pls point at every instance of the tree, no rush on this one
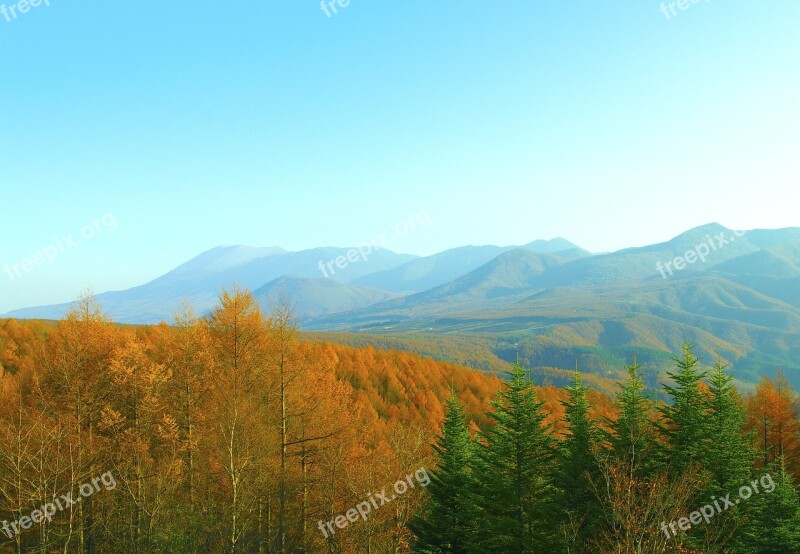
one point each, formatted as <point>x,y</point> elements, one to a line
<point>76,382</point>
<point>187,355</point>
<point>448,521</point>
<point>728,455</point>
<point>577,469</point>
<point>637,510</point>
<point>773,415</point>
<point>684,416</point>
<point>238,338</point>
<point>632,436</point>
<point>515,464</point>
<point>775,525</point>
<point>147,443</point>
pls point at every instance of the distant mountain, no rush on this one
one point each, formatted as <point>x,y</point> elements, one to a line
<point>508,274</point>
<point>774,272</point>
<point>734,294</point>
<point>314,298</point>
<point>200,280</point>
<point>553,246</point>
<point>431,271</point>
<point>219,261</point>
<point>643,262</point>
<point>742,302</point>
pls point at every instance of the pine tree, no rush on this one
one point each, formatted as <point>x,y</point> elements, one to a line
<point>515,465</point>
<point>448,521</point>
<point>633,436</point>
<point>578,469</point>
<point>728,455</point>
<point>684,415</point>
<point>775,524</point>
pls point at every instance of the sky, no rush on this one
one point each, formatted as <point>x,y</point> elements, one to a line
<point>136,135</point>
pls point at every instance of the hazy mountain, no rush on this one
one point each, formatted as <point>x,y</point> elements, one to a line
<point>508,274</point>
<point>742,303</point>
<point>734,294</point>
<point>431,271</point>
<point>643,262</point>
<point>554,246</point>
<point>313,298</point>
<point>200,280</point>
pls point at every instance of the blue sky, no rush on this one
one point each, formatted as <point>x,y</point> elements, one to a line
<point>268,123</point>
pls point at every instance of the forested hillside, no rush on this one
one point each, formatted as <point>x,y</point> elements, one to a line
<point>705,472</point>
<point>229,433</point>
<point>226,434</point>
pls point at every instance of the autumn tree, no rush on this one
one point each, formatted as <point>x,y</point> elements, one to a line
<point>76,385</point>
<point>185,351</point>
<point>773,416</point>
<point>238,339</point>
<point>146,451</point>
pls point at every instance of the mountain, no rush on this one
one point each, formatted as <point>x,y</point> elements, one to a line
<point>555,246</point>
<point>313,298</point>
<point>431,271</point>
<point>734,294</point>
<point>740,301</point>
<point>508,274</point>
<point>200,280</point>
<point>381,272</point>
<point>518,273</point>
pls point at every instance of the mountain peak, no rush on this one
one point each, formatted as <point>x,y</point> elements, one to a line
<point>223,258</point>
<point>551,246</point>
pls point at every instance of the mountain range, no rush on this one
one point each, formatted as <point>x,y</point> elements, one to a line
<point>735,294</point>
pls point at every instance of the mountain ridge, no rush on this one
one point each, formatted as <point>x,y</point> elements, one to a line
<point>738,296</point>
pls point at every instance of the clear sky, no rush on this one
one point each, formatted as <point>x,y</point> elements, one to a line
<point>198,124</point>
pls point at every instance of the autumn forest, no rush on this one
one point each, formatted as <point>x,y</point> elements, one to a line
<point>232,433</point>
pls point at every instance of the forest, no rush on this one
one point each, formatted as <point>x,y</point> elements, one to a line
<point>231,433</point>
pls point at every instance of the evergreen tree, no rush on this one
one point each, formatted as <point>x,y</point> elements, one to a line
<point>684,426</point>
<point>633,437</point>
<point>686,434</point>
<point>775,524</point>
<point>515,465</point>
<point>449,519</point>
<point>728,456</point>
<point>578,469</point>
